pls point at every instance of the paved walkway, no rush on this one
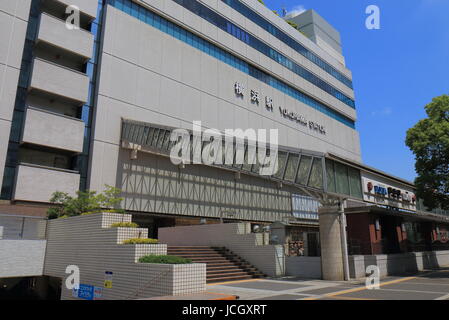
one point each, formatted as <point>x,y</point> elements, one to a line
<point>430,285</point>
<point>197,296</point>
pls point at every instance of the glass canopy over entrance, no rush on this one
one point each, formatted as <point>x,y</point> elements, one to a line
<point>307,170</point>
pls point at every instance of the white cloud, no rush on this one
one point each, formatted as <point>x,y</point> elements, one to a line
<point>295,11</point>
<point>382,112</point>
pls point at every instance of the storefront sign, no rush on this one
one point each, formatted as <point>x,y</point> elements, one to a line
<point>85,292</point>
<point>98,293</point>
<point>293,116</point>
<point>393,193</point>
<point>382,191</point>
<point>88,292</point>
<point>255,98</point>
<point>239,89</point>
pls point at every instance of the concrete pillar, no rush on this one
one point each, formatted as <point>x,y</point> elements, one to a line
<point>330,239</point>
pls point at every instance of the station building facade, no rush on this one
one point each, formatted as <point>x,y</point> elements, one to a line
<point>93,106</point>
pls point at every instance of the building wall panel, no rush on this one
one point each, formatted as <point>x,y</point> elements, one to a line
<point>37,184</point>
<point>22,258</point>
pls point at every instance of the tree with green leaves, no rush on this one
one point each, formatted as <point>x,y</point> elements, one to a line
<point>429,141</point>
<point>84,202</point>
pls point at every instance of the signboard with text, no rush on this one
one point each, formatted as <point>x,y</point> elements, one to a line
<point>387,192</point>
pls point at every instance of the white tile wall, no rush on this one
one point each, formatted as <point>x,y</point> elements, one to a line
<point>88,242</point>
<point>235,237</point>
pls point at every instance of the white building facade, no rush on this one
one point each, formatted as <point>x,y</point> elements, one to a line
<point>95,103</point>
<point>231,64</point>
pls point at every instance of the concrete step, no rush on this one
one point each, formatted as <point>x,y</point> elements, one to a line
<point>192,250</point>
<point>194,254</point>
<point>228,278</point>
<point>231,274</point>
<point>226,267</point>
<point>221,264</point>
<point>210,261</point>
<point>207,258</point>
<point>225,271</point>
<point>199,255</point>
<point>191,247</point>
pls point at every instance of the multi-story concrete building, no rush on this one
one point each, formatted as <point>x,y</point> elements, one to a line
<point>86,107</point>
<point>166,63</point>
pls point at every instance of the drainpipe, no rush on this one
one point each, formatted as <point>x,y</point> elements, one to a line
<point>344,243</point>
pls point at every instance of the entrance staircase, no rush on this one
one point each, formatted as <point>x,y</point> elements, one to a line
<point>221,264</point>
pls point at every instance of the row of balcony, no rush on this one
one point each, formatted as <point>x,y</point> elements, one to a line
<point>86,7</point>
<point>45,126</point>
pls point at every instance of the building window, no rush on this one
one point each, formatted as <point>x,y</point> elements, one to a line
<point>303,171</point>
<point>224,56</point>
<point>316,174</point>
<point>355,183</point>
<point>222,23</point>
<point>343,179</point>
<point>269,27</point>
<point>330,175</point>
<point>292,165</point>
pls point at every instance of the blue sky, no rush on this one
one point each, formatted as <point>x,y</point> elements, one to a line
<point>397,70</point>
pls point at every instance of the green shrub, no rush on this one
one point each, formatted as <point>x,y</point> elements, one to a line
<point>141,241</point>
<point>164,259</point>
<point>124,225</point>
<point>104,211</point>
<point>85,202</point>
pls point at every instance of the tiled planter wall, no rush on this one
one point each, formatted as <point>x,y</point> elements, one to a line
<point>89,243</point>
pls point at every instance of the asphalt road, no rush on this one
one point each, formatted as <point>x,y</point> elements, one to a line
<point>429,285</point>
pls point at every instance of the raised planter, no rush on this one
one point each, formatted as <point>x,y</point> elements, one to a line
<point>89,243</point>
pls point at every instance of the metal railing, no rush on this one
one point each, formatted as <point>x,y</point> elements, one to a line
<point>14,227</point>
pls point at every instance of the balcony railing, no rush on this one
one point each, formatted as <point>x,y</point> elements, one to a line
<point>57,80</point>
<point>14,227</point>
<point>54,32</point>
<point>87,7</point>
<point>53,130</point>
<point>38,183</point>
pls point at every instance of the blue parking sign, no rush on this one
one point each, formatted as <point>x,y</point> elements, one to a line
<point>86,292</point>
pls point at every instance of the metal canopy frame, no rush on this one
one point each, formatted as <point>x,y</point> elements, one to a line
<point>152,138</point>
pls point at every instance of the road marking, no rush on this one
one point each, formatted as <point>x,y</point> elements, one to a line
<point>381,284</point>
<point>445,297</point>
<point>349,298</point>
<point>431,284</point>
<point>411,290</point>
<point>220,294</point>
<point>223,296</point>
<point>333,294</point>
